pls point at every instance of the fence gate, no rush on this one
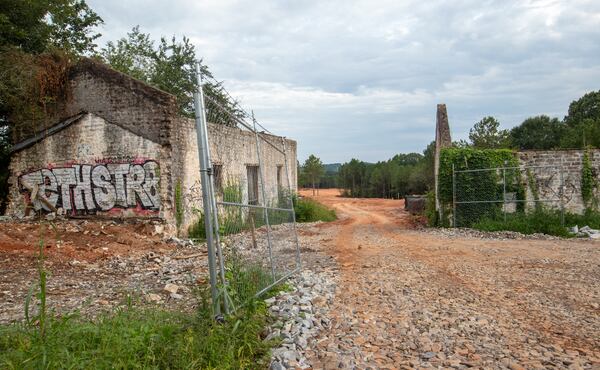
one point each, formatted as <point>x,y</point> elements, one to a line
<point>251,232</point>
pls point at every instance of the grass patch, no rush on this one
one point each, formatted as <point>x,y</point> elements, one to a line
<point>138,337</point>
<point>308,210</point>
<point>539,221</point>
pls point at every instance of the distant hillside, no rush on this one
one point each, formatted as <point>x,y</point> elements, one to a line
<point>332,167</point>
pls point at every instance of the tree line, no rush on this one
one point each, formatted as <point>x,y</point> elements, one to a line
<point>412,173</point>
<point>580,128</point>
<point>403,174</point>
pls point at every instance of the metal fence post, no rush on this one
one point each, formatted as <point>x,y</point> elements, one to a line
<point>504,191</point>
<point>453,196</point>
<point>204,176</point>
<point>264,196</point>
<point>561,193</point>
<point>215,213</point>
<point>287,175</point>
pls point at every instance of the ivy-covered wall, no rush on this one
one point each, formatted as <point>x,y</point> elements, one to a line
<point>476,186</point>
<point>578,170</point>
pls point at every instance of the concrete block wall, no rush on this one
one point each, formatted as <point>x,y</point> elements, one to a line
<point>233,149</point>
<point>91,167</point>
<point>548,178</point>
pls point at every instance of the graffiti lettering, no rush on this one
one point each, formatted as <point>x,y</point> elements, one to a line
<point>83,188</point>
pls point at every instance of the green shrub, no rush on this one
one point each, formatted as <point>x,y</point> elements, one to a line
<point>588,182</point>
<point>308,210</point>
<point>197,229</point>
<point>478,185</point>
<point>590,218</point>
<point>538,221</point>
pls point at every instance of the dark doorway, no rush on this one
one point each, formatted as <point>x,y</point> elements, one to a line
<point>252,173</point>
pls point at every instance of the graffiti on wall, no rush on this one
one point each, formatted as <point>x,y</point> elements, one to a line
<point>84,188</point>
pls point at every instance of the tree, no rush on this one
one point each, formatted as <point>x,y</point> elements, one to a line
<point>38,40</point>
<point>171,67</point>
<point>351,177</point>
<point>314,169</point>
<point>35,26</point>
<point>581,135</point>
<point>540,132</point>
<point>585,108</point>
<point>583,122</point>
<point>486,135</point>
<point>133,55</point>
<point>175,72</point>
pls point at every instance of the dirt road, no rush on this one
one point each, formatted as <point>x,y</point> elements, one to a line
<point>419,298</point>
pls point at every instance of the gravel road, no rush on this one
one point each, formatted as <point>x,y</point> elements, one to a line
<point>411,298</point>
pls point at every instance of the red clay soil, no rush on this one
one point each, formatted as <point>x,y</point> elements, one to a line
<point>83,240</point>
<point>537,301</point>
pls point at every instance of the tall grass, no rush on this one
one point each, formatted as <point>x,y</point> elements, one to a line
<point>142,337</point>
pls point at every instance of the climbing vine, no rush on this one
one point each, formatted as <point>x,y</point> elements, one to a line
<point>589,183</point>
<point>32,89</point>
<point>483,186</point>
<point>178,206</point>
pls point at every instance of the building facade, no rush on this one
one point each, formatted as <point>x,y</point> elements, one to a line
<point>117,148</point>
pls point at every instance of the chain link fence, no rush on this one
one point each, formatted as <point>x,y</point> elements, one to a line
<point>251,232</point>
<point>499,193</point>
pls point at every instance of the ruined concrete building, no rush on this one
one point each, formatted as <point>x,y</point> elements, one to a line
<point>117,148</point>
<point>555,174</point>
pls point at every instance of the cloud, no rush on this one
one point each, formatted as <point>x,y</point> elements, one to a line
<point>362,78</point>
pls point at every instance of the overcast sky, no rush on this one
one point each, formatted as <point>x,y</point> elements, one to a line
<point>362,78</point>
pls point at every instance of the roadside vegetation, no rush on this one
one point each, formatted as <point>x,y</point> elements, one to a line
<point>234,220</point>
<point>308,210</point>
<point>137,335</point>
<point>540,221</point>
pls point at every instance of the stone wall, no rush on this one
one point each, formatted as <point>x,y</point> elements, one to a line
<point>547,176</point>
<point>233,150</point>
<point>91,167</point>
<point>119,99</point>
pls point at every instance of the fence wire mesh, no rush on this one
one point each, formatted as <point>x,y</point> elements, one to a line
<point>502,193</point>
<point>252,226</point>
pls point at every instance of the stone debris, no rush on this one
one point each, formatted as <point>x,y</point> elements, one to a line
<point>184,243</point>
<point>585,232</point>
<point>299,316</point>
<point>461,232</point>
<point>171,288</point>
